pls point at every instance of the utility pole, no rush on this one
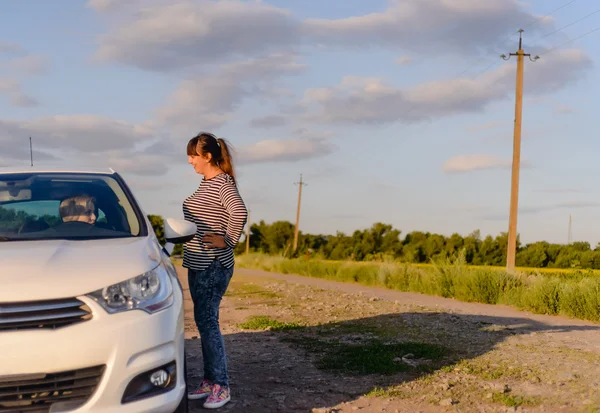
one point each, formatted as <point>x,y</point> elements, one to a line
<point>516,162</point>
<point>248,234</point>
<point>31,150</point>
<point>300,184</point>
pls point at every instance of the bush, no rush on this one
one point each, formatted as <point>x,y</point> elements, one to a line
<point>575,294</point>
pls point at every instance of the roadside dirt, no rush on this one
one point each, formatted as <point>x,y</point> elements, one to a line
<point>336,354</point>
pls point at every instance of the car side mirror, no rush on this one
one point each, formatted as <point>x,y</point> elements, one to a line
<point>179,231</point>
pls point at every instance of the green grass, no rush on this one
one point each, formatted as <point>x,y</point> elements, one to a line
<point>249,291</point>
<point>570,293</point>
<point>371,356</point>
<point>391,392</point>
<point>266,323</point>
<point>512,400</point>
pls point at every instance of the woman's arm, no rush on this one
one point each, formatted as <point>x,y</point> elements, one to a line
<point>238,214</point>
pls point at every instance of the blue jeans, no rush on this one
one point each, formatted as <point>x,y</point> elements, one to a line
<point>207,288</point>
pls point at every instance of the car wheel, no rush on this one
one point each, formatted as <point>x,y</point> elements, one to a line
<point>183,406</point>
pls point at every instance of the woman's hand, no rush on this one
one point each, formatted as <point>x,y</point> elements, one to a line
<point>213,241</point>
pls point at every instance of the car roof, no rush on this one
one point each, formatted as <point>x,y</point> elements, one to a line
<point>13,170</point>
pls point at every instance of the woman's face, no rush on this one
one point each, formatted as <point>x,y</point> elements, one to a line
<point>199,162</point>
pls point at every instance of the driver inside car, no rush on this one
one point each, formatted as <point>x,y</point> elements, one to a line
<point>78,209</point>
<point>78,218</point>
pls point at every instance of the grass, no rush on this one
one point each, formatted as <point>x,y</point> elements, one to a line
<point>372,355</point>
<point>483,368</point>
<point>250,290</point>
<point>572,293</point>
<point>267,323</point>
<point>512,400</point>
<point>391,392</point>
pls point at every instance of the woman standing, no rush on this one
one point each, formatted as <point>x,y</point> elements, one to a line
<point>220,215</point>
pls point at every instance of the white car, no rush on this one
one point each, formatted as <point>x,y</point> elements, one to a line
<point>91,310</point>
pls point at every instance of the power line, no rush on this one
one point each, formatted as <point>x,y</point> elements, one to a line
<point>568,25</point>
<point>493,63</point>
<point>518,31</point>
<point>547,52</point>
<point>546,15</point>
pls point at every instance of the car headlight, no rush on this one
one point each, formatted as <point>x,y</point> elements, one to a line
<point>150,292</point>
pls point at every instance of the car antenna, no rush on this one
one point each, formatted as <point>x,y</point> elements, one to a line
<point>31,151</point>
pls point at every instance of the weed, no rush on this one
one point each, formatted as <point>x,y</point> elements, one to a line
<point>512,400</point>
<point>370,356</point>
<point>572,293</point>
<point>391,392</point>
<point>266,323</point>
<point>250,290</point>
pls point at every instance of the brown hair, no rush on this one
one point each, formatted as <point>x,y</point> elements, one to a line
<point>205,143</point>
<point>71,209</point>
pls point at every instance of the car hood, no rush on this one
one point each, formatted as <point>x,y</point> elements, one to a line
<point>40,270</point>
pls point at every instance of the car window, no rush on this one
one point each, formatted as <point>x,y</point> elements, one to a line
<point>65,206</point>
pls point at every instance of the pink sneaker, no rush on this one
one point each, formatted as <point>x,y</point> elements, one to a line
<point>203,391</point>
<point>218,397</point>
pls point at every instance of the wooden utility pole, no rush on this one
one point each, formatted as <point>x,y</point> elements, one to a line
<point>516,162</point>
<point>300,184</point>
<point>248,234</point>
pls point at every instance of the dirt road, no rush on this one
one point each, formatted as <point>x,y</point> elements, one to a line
<point>332,347</point>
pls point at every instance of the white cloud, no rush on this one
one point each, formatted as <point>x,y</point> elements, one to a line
<point>371,100</point>
<point>170,35</point>
<point>80,133</point>
<point>8,84</point>
<point>10,48</point>
<point>286,150</point>
<point>269,121</point>
<point>21,100</point>
<point>474,162</point>
<point>137,163</point>
<point>465,26</point>
<point>86,140</point>
<point>209,100</point>
<point>12,88</point>
<point>28,65</point>
<point>15,68</point>
<point>106,6</point>
<point>403,60</point>
<point>178,34</point>
<point>432,26</point>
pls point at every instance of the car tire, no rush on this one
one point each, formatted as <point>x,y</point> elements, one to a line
<point>183,406</point>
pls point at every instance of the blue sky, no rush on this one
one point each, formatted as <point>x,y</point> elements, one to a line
<point>397,112</point>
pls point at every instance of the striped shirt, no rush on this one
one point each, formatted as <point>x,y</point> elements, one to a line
<point>216,206</point>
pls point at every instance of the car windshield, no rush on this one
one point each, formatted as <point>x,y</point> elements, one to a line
<point>73,206</point>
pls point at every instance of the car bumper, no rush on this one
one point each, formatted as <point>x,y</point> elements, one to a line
<point>127,344</point>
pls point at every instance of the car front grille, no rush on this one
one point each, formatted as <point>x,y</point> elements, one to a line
<point>36,393</point>
<point>49,314</point>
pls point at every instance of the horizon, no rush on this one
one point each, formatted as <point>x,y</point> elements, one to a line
<point>393,112</point>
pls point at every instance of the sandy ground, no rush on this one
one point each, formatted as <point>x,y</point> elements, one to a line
<point>496,359</point>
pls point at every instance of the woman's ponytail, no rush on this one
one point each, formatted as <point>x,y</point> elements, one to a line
<point>226,161</point>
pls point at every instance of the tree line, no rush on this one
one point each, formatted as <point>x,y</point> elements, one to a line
<point>384,242</point>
